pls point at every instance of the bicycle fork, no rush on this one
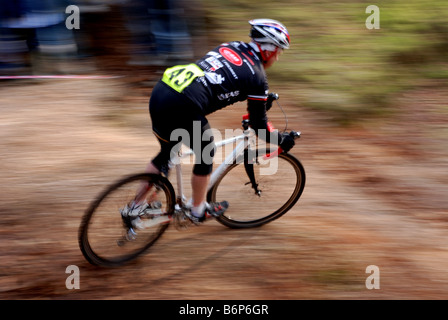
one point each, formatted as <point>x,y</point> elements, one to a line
<point>249,167</point>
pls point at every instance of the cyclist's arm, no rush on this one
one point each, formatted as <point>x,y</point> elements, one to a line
<point>256,106</point>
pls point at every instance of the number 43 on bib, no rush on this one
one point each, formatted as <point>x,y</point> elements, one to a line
<point>180,77</point>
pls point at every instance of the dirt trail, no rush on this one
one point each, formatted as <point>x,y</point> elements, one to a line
<point>373,197</point>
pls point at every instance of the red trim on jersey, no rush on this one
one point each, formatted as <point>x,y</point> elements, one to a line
<point>249,59</point>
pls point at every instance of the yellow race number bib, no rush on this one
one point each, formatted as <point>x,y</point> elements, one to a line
<point>180,77</point>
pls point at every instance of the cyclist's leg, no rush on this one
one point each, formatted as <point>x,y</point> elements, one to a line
<point>203,167</point>
<point>199,185</point>
<point>201,174</point>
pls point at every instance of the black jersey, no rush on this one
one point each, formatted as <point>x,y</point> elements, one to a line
<point>232,72</point>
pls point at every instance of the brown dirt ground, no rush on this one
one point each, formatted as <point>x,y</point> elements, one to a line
<point>375,195</point>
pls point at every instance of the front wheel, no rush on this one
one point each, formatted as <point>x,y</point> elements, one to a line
<point>259,189</point>
<point>107,238</point>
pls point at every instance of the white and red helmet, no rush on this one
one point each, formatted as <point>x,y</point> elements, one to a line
<point>268,31</point>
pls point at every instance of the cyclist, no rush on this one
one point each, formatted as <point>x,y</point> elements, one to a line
<point>182,99</point>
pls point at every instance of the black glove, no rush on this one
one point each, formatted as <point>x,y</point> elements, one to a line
<point>287,142</point>
<point>271,97</point>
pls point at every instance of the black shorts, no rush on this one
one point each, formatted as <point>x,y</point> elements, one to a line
<point>177,120</point>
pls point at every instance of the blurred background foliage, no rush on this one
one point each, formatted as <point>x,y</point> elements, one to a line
<point>335,62</point>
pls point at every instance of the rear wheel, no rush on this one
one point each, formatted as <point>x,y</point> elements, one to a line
<point>106,238</point>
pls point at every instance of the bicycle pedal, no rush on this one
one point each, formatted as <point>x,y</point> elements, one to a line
<point>181,221</point>
<point>194,220</point>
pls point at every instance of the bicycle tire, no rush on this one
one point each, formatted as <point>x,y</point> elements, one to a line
<point>246,208</point>
<point>102,232</point>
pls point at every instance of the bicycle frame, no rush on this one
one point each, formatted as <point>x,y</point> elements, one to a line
<point>246,140</point>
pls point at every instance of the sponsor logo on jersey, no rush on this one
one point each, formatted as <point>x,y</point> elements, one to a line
<point>214,78</point>
<point>231,56</point>
<point>214,63</point>
<point>228,95</point>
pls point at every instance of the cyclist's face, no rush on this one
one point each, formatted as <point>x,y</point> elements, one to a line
<point>273,58</point>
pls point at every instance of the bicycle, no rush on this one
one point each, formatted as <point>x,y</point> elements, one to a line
<point>260,184</point>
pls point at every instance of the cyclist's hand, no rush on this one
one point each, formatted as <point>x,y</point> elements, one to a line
<point>287,142</point>
<point>271,97</point>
